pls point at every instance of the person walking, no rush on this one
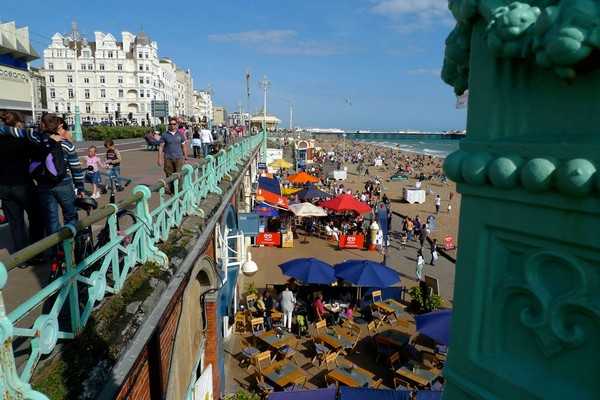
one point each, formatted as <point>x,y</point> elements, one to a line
<point>423,234</point>
<point>438,204</point>
<point>112,163</point>
<point>17,190</point>
<point>434,253</point>
<point>287,307</point>
<point>207,139</point>
<point>172,152</point>
<point>420,264</point>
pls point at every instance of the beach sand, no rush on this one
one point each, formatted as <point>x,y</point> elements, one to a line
<point>447,222</point>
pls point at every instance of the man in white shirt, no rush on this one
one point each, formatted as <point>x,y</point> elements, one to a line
<point>206,137</point>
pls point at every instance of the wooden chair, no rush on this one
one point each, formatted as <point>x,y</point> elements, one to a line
<point>240,323</point>
<point>276,316</point>
<point>321,350</point>
<point>402,384</point>
<point>322,324</point>
<point>376,296</point>
<point>377,315</point>
<point>330,358</point>
<point>287,351</point>
<point>356,331</point>
<point>372,329</point>
<point>297,384</point>
<point>330,382</point>
<point>260,358</point>
<point>394,361</point>
<point>248,354</point>
<point>263,387</point>
<point>432,359</point>
<point>258,327</point>
<point>383,348</point>
<point>377,383</point>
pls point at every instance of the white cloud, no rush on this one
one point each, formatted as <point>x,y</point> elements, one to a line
<point>279,42</point>
<point>412,15</point>
<point>424,71</point>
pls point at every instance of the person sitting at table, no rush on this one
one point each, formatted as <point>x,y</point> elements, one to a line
<point>267,307</point>
<point>321,312</point>
<point>347,313</point>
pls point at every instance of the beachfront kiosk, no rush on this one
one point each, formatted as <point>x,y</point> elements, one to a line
<point>526,312</point>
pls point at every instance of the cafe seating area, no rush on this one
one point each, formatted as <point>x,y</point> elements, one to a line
<point>374,355</point>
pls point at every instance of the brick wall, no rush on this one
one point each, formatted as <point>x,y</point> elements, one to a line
<point>137,384</point>
<point>211,354</point>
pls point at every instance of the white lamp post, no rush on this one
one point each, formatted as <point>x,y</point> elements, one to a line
<point>265,83</point>
<point>67,39</point>
<point>291,112</point>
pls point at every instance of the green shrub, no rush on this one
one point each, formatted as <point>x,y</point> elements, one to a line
<point>114,132</point>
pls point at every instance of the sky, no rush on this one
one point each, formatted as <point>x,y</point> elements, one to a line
<point>348,64</point>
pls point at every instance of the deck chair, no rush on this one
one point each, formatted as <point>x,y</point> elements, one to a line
<point>260,358</point>
<point>322,324</point>
<point>263,387</point>
<point>376,296</point>
<point>248,354</point>
<point>321,350</point>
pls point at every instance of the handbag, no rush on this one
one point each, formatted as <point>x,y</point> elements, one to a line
<point>434,255</point>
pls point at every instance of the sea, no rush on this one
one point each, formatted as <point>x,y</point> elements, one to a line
<point>430,144</point>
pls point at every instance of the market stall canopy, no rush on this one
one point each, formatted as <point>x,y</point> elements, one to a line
<point>280,163</point>
<point>367,273</point>
<point>311,192</point>
<point>309,270</point>
<point>270,184</point>
<point>436,325</point>
<point>289,191</point>
<point>346,202</point>
<point>271,198</point>
<point>302,177</point>
<point>265,210</point>
<point>307,210</point>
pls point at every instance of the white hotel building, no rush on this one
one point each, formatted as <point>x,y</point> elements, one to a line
<point>115,80</point>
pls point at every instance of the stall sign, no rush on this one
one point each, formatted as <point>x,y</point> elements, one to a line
<point>248,223</point>
<point>352,241</point>
<point>262,166</point>
<point>269,238</point>
<point>448,242</point>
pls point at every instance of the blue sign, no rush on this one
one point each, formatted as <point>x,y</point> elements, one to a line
<point>262,166</point>
<point>248,223</point>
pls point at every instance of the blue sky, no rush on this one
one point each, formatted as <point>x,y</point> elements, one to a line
<point>383,56</point>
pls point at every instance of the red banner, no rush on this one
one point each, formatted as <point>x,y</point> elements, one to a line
<point>448,242</point>
<point>352,241</point>
<point>269,238</point>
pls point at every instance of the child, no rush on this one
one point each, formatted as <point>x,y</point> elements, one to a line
<point>403,240</point>
<point>196,144</point>
<point>92,176</point>
<point>112,163</point>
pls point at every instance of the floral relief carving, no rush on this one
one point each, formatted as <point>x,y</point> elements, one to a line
<point>559,300</point>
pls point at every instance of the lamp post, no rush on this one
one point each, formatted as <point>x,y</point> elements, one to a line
<point>67,39</point>
<point>291,112</point>
<point>265,83</point>
<point>344,150</point>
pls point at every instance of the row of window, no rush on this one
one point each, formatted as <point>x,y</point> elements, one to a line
<point>67,107</point>
<point>86,93</point>
<point>90,67</point>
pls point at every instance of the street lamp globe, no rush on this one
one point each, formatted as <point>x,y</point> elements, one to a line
<point>249,267</point>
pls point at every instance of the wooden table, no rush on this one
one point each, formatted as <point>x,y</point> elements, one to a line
<point>331,339</point>
<point>424,376</point>
<point>356,377</point>
<point>388,308</point>
<point>270,338</point>
<point>289,373</point>
<point>394,337</point>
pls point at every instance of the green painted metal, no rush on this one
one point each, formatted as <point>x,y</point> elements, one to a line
<point>526,307</point>
<point>90,275</point>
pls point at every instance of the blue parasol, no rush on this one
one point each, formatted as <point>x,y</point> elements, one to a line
<point>309,270</point>
<point>265,210</point>
<point>436,325</point>
<point>366,273</point>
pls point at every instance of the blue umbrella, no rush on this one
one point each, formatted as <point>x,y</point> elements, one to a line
<point>436,325</point>
<point>270,184</point>
<point>265,210</point>
<point>309,270</point>
<point>366,273</point>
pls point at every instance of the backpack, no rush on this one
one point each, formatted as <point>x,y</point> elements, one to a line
<point>48,165</point>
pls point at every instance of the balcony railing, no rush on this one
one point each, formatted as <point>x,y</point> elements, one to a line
<point>85,283</point>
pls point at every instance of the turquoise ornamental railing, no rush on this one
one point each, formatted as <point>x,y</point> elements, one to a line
<point>35,325</point>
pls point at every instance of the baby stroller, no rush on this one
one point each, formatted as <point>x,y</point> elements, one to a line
<point>302,322</point>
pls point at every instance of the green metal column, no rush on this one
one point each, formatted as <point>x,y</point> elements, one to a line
<point>526,317</point>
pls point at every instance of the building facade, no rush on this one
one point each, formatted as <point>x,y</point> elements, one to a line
<point>114,81</point>
<point>16,84</point>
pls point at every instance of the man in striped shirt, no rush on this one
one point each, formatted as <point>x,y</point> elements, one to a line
<point>62,193</point>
